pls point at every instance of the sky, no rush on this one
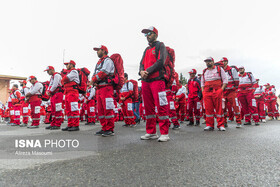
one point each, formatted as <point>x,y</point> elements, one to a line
<point>35,33</point>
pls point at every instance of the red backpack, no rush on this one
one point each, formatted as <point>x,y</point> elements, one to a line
<point>169,65</point>
<point>44,95</point>
<point>83,77</point>
<point>135,90</point>
<point>118,78</point>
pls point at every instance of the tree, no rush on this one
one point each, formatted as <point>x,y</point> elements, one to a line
<point>182,79</point>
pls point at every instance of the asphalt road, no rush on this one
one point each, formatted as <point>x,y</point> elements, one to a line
<point>249,156</point>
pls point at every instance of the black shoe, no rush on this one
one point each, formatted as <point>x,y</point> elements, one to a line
<point>91,123</point>
<point>48,127</point>
<point>247,123</point>
<point>55,128</point>
<point>137,121</point>
<point>99,133</point>
<point>126,125</point>
<point>190,123</point>
<point>74,128</point>
<point>133,125</point>
<point>108,133</point>
<point>226,125</point>
<point>65,128</point>
<point>257,123</point>
<point>197,123</point>
<point>87,123</point>
<point>176,127</point>
<point>181,122</point>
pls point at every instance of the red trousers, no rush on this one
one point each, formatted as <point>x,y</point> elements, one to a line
<point>72,108</point>
<point>12,115</point>
<point>105,105</point>
<point>194,106</point>
<point>142,111</point>
<point>181,111</point>
<point>129,117</point>
<point>35,112</point>
<point>261,108</point>
<point>17,114</point>
<point>91,111</point>
<point>230,113</point>
<point>230,97</point>
<point>248,106</point>
<point>172,109</point>
<point>56,109</point>
<point>213,102</point>
<point>272,108</point>
<point>25,113</point>
<point>154,94</point>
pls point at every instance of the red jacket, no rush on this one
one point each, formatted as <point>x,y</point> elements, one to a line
<point>194,88</point>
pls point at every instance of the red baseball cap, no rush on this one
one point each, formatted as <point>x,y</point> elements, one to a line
<point>257,79</point>
<point>209,59</point>
<point>31,77</point>
<point>241,67</point>
<point>192,71</point>
<point>224,59</point>
<point>49,68</point>
<point>71,62</point>
<point>24,81</point>
<point>150,29</point>
<point>103,47</point>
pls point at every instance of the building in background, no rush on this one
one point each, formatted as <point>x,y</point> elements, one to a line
<point>5,85</point>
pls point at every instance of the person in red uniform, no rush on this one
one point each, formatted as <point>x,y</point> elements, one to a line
<point>16,95</point>
<point>194,97</point>
<point>213,83</point>
<point>56,96</point>
<point>70,82</point>
<point>246,89</point>
<point>34,99</point>
<point>172,109</point>
<point>270,102</point>
<point>259,96</point>
<point>180,99</point>
<point>126,93</point>
<point>90,100</point>
<point>153,86</point>
<point>24,105</point>
<point>104,71</point>
<point>229,93</point>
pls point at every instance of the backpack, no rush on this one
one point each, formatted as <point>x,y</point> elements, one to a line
<point>169,65</point>
<point>135,90</point>
<point>44,95</point>
<point>250,76</point>
<point>118,78</point>
<point>83,77</point>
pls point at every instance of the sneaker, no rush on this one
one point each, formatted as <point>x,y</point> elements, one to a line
<point>99,133</point>
<point>204,122</point>
<point>247,123</point>
<point>208,128</point>
<point>197,123</point>
<point>33,126</point>
<point>181,122</point>
<point>238,125</point>
<point>226,125</point>
<point>108,133</point>
<point>263,121</point>
<point>77,128</point>
<point>176,127</point>
<point>149,137</point>
<point>164,138</point>
<point>65,128</point>
<point>48,127</point>
<point>125,125</point>
<point>13,124</point>
<point>257,124</point>
<point>23,125</point>
<point>190,123</point>
<point>222,129</point>
<point>133,125</point>
<point>55,128</point>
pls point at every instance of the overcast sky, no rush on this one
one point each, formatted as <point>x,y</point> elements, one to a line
<point>35,33</point>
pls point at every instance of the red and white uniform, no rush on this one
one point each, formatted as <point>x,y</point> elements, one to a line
<point>24,105</point>
<point>246,97</point>
<point>181,102</point>
<point>194,97</point>
<point>230,96</point>
<point>212,81</point>
<point>171,100</point>
<point>127,91</point>
<point>91,104</point>
<point>35,102</point>
<point>260,91</point>
<point>153,89</point>
<point>69,82</point>
<point>15,96</point>
<point>55,89</point>
<point>270,102</point>
<point>105,93</point>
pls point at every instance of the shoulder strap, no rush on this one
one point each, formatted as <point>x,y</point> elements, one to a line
<point>157,47</point>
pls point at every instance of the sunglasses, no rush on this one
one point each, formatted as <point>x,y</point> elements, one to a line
<point>148,34</point>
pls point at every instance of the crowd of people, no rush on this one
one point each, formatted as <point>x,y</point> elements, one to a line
<point>221,91</point>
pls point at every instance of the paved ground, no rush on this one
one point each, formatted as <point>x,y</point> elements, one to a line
<point>238,157</point>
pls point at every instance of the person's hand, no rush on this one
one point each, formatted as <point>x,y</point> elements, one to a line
<point>122,98</point>
<point>144,74</point>
<point>48,93</point>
